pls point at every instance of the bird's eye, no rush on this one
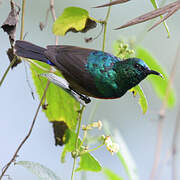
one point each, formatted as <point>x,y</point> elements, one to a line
<point>137,66</point>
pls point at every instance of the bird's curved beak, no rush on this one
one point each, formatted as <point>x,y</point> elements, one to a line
<point>156,73</point>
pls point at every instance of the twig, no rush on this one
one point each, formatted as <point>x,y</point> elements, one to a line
<point>27,136</point>
<point>105,26</point>
<point>54,16</point>
<point>162,118</point>
<point>76,143</point>
<point>94,149</point>
<point>174,147</point>
<point>22,19</point>
<point>158,147</point>
<point>176,134</point>
<point>27,80</point>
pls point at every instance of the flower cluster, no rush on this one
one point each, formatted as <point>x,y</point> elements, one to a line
<point>122,50</point>
<point>111,146</point>
<point>97,124</point>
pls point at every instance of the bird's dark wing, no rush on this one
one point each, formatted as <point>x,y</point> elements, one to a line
<point>71,61</point>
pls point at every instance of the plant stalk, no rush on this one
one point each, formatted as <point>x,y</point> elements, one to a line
<point>76,143</point>
<point>105,26</point>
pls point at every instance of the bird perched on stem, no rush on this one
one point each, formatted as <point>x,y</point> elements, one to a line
<point>89,72</point>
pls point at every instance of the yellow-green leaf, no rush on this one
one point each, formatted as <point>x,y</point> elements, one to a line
<point>74,19</point>
<point>142,98</point>
<point>60,106</point>
<point>88,163</point>
<point>159,84</point>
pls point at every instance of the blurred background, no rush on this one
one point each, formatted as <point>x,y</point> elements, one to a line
<point>139,131</point>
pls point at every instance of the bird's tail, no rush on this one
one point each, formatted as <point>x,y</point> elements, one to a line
<point>28,50</point>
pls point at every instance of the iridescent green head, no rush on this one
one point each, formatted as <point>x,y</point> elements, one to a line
<point>132,71</point>
<point>141,67</point>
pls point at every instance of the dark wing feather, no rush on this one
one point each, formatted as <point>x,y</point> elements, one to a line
<point>71,62</point>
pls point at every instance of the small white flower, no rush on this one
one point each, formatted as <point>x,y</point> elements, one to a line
<point>108,141</point>
<point>111,147</point>
<point>97,125</point>
<point>92,125</point>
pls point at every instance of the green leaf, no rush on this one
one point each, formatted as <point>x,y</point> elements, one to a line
<point>154,3</point>
<point>74,19</point>
<point>142,98</point>
<point>42,172</point>
<point>159,84</point>
<point>60,105</point>
<point>88,163</point>
<point>125,157</point>
<point>111,175</point>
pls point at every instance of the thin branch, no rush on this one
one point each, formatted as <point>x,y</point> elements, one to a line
<point>22,19</point>
<point>162,118</point>
<point>54,17</point>
<point>174,147</point>
<point>76,143</point>
<point>112,3</point>
<point>73,169</point>
<point>176,134</point>
<point>158,147</point>
<point>105,26</point>
<point>27,136</point>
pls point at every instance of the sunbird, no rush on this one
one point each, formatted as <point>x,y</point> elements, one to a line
<point>88,72</point>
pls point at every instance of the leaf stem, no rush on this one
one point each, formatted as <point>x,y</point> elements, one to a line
<point>105,26</point>
<point>79,125</point>
<point>76,143</point>
<point>94,149</point>
<point>84,137</point>
<point>73,170</point>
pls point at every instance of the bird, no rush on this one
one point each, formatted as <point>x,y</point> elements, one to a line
<point>89,72</point>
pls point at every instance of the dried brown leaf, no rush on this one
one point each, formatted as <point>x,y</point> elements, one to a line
<point>164,18</point>
<point>169,9</point>
<point>60,128</point>
<point>90,24</point>
<point>112,3</point>
<point>9,25</point>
